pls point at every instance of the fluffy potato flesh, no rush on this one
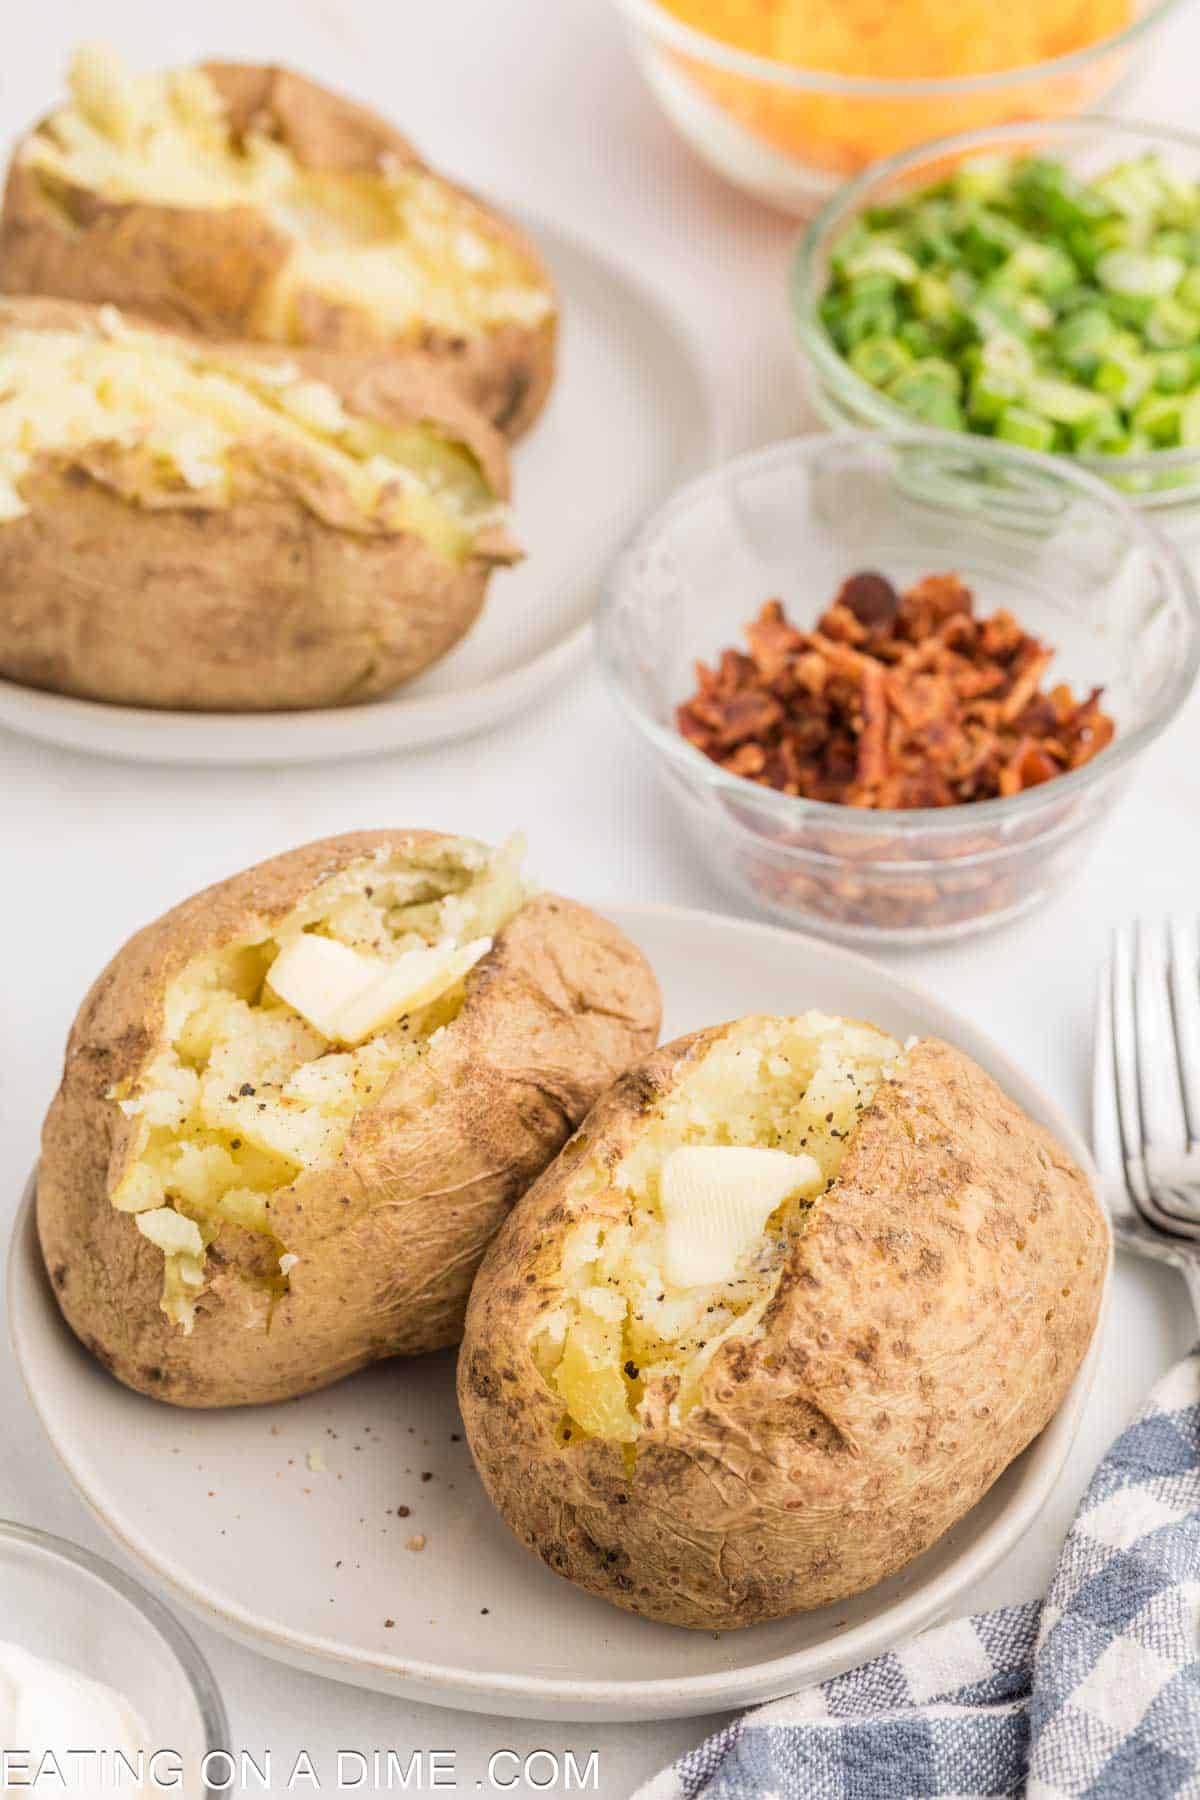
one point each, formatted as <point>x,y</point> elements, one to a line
<point>399,244</point>
<point>796,1085</point>
<point>176,418</point>
<point>243,1093</point>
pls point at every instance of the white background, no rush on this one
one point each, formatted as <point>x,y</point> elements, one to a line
<point>538,101</point>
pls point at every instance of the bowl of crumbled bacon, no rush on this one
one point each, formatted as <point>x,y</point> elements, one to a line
<point>894,682</point>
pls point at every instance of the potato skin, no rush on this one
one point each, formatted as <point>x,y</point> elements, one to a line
<point>925,1329</point>
<point>211,270</point>
<point>269,603</point>
<point>390,1236</point>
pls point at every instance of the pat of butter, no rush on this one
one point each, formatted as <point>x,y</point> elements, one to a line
<point>317,975</point>
<point>716,1200</point>
<point>348,996</point>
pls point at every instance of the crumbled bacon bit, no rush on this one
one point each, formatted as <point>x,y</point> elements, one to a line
<point>870,597</point>
<point>893,701</point>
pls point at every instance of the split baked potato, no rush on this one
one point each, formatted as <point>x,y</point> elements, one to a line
<point>295,1109</point>
<point>215,527</point>
<point>782,1310</point>
<point>242,201</point>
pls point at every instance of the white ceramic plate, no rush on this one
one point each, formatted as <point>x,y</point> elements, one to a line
<point>628,418</point>
<point>311,1566</point>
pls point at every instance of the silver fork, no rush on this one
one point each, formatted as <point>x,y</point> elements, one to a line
<point>1146,1093</point>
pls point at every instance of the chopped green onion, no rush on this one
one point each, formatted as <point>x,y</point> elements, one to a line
<point>869,318</point>
<point>1103,437</point>
<point>1171,325</point>
<point>883,259</point>
<point>1016,299</point>
<point>1017,425</point>
<point>1002,352</point>
<point>1063,402</point>
<point>1081,339</point>
<point>1045,268</point>
<point>1159,417</point>
<point>916,336</point>
<point>925,392</point>
<point>1133,188</point>
<point>991,393</point>
<point>880,359</point>
<point>1141,276</point>
<point>988,239</point>
<point>933,300</point>
<point>1175,371</point>
<point>983,178</point>
<point>995,314</point>
<point>1124,379</point>
<point>1035,313</point>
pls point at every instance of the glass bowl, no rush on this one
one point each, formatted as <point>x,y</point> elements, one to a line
<point>1166,482</point>
<point>792,136</point>
<point>63,1603</point>
<point>1075,563</point>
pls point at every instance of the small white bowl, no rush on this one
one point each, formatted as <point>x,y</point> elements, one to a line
<point>64,1604</point>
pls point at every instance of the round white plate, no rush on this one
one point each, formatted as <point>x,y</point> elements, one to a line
<point>628,418</point>
<point>310,1564</point>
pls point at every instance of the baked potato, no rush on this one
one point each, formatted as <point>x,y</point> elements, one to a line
<point>206,526</point>
<point>244,1196</point>
<point>781,1311</point>
<point>241,201</point>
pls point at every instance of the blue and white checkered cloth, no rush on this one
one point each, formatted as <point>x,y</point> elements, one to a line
<point>1093,1692</point>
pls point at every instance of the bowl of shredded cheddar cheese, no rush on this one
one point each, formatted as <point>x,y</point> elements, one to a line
<point>787,99</point>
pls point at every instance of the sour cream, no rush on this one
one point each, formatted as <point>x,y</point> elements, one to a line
<point>48,1709</point>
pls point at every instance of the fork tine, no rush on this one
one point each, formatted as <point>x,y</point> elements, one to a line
<point>1185,1006</point>
<point>1106,1123</point>
<point>1138,1223</point>
<point>1153,1129</point>
<point>1164,1124</point>
<point>1141,1225</point>
<point>1124,1037</point>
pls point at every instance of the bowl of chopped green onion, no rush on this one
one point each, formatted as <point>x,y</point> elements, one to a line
<point>1036,283</point>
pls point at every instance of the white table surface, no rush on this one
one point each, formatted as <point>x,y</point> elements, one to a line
<point>537,100</point>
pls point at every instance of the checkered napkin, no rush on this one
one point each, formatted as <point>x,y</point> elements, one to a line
<point>1094,1691</point>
